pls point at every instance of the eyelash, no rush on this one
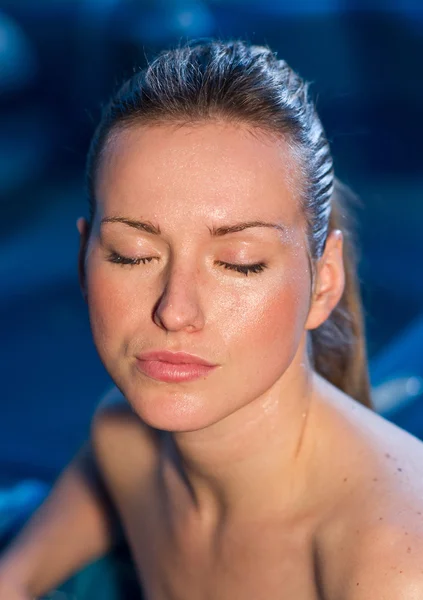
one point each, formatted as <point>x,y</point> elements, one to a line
<point>244,269</point>
<point>125,260</point>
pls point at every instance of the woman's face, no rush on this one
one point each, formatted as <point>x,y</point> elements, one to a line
<point>166,197</point>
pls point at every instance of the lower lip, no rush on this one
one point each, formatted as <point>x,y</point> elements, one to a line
<point>170,372</point>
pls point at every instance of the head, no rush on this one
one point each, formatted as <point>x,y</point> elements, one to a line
<point>207,137</point>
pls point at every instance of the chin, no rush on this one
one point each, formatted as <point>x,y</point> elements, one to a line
<point>172,411</point>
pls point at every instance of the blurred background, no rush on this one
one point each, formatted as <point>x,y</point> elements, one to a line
<point>60,60</point>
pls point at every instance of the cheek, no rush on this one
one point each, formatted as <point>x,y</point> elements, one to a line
<point>115,307</point>
<point>268,323</point>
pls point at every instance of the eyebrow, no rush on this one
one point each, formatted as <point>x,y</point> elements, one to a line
<point>141,225</point>
<point>225,229</point>
<point>214,231</point>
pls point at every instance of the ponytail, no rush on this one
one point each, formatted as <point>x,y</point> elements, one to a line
<point>338,345</point>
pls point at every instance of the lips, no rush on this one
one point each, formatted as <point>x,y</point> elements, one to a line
<point>175,358</point>
<point>173,367</point>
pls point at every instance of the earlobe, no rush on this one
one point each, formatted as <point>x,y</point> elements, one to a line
<point>83,229</point>
<point>330,281</point>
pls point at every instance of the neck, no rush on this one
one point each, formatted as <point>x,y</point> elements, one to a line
<point>255,460</point>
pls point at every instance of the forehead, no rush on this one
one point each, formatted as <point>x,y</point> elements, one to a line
<point>214,171</point>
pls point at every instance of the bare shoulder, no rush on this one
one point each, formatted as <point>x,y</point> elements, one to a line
<point>124,446</point>
<point>374,557</point>
<point>371,541</point>
<point>387,563</point>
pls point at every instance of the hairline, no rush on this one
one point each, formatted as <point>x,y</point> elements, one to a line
<point>255,129</point>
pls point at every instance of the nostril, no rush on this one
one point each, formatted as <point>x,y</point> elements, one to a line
<point>178,306</point>
<point>174,316</point>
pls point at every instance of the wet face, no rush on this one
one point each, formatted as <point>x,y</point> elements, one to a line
<point>167,268</point>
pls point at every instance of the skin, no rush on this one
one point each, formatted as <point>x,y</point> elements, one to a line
<point>254,327</point>
<point>248,450</point>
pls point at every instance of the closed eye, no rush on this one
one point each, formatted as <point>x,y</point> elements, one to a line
<point>245,269</point>
<point>118,259</point>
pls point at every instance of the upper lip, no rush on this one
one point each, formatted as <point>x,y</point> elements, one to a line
<point>176,358</point>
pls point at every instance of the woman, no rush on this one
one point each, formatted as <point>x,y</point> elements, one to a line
<point>238,451</point>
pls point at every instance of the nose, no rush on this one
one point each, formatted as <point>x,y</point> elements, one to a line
<point>178,307</point>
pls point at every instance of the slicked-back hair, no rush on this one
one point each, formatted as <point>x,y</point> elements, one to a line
<point>242,83</point>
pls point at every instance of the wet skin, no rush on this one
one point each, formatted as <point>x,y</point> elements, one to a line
<point>228,485</point>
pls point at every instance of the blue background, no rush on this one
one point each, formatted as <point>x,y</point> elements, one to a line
<point>60,59</point>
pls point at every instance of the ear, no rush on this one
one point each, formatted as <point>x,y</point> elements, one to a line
<point>329,281</point>
<point>83,228</point>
